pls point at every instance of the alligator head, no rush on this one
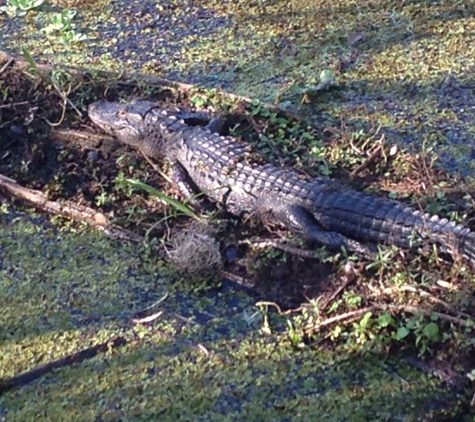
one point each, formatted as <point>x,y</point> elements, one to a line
<point>126,122</point>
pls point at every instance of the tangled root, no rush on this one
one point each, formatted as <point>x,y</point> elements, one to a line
<point>195,251</point>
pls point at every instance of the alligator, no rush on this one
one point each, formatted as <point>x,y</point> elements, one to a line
<point>229,172</point>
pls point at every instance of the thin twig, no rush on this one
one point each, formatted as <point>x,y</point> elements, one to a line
<point>340,288</point>
<point>412,289</point>
<point>150,318</point>
<point>203,349</point>
<point>156,168</point>
<point>14,104</point>
<point>351,316</point>
<point>427,312</point>
<point>61,119</point>
<point>66,98</point>
<point>8,63</point>
<point>147,319</point>
<point>184,319</point>
<point>275,305</point>
<point>278,308</point>
<point>376,153</point>
<point>162,299</point>
<point>340,318</point>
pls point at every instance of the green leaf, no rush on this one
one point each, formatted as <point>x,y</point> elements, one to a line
<point>364,321</point>
<point>68,14</point>
<point>26,5</point>
<point>385,319</point>
<point>402,332</point>
<point>179,206</point>
<point>29,58</point>
<point>431,331</point>
<point>333,307</point>
<point>326,76</point>
<point>198,100</point>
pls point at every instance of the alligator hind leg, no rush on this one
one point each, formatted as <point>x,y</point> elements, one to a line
<point>299,221</point>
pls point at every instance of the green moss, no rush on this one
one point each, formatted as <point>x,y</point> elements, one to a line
<point>60,288</point>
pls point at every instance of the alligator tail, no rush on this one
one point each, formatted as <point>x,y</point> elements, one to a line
<point>381,220</point>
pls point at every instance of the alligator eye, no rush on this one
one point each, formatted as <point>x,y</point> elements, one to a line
<point>122,113</point>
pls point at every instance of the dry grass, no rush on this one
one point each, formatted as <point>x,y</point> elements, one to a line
<point>195,250</point>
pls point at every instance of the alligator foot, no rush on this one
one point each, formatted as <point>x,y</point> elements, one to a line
<point>203,118</point>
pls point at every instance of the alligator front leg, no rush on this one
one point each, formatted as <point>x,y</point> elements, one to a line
<point>203,118</point>
<point>216,125</point>
<point>299,221</point>
<point>183,182</point>
<point>186,186</point>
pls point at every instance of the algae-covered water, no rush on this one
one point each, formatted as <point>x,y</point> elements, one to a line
<point>206,358</point>
<point>402,70</point>
<point>403,65</point>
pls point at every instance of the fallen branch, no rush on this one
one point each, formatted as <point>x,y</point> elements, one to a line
<point>68,209</point>
<point>78,357</point>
